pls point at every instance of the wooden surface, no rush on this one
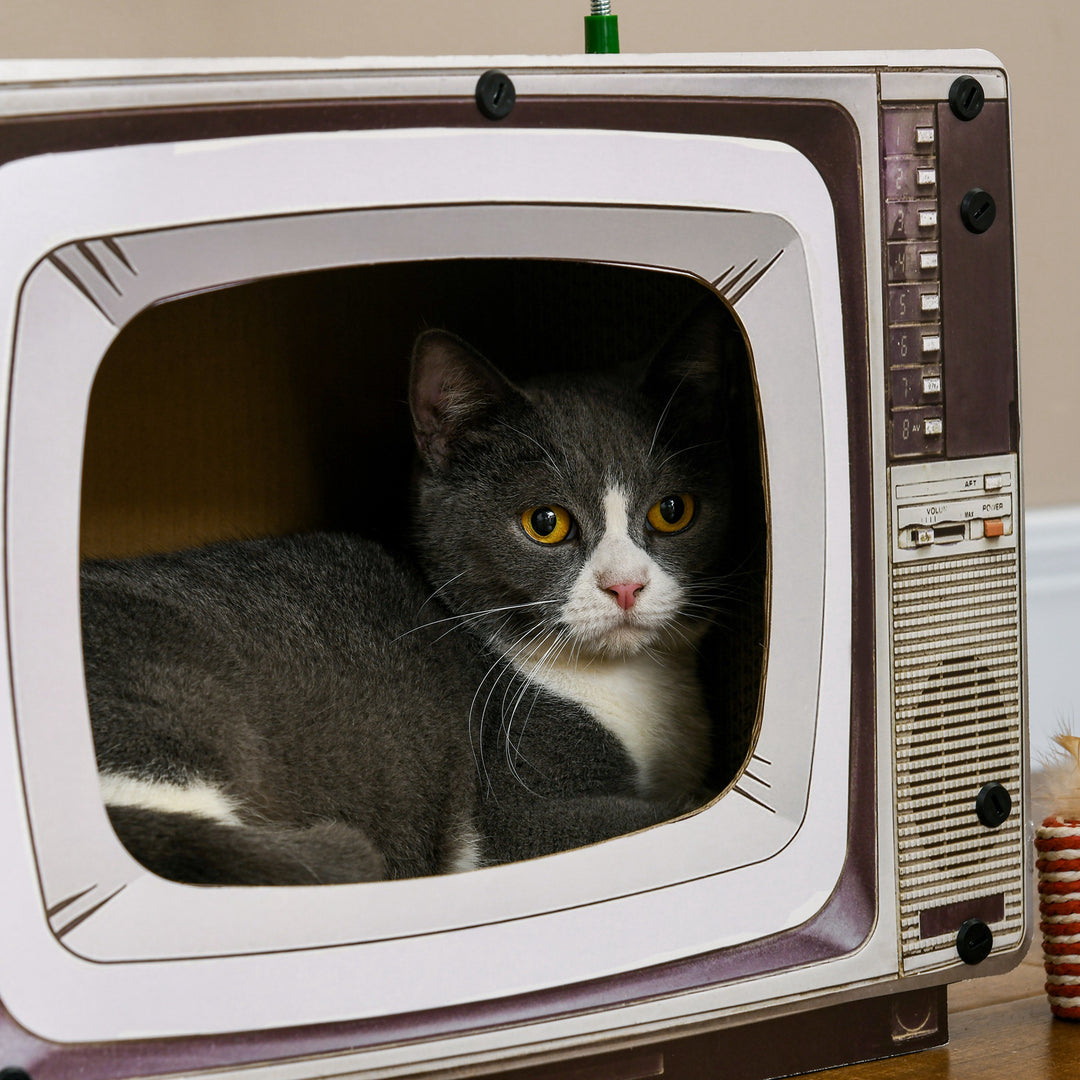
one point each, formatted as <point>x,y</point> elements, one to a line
<point>999,1027</point>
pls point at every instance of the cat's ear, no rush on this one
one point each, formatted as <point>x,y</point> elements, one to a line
<point>690,374</point>
<point>451,389</point>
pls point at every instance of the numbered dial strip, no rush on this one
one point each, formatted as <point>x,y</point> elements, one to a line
<point>914,352</point>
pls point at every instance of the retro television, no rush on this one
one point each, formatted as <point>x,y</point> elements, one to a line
<point>210,274</point>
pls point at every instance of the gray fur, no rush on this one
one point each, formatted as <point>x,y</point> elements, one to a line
<point>354,704</point>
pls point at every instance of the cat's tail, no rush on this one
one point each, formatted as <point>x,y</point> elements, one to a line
<point>198,850</point>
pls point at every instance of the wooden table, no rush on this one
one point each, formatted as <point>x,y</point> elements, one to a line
<point>999,1028</point>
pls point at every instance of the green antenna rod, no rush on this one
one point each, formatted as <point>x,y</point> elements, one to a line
<point>601,29</point>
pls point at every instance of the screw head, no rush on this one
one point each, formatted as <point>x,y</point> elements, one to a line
<point>974,940</point>
<point>495,94</point>
<point>978,210</point>
<point>993,804</point>
<point>966,97</point>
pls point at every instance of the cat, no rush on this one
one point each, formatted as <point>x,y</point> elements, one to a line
<point>316,708</point>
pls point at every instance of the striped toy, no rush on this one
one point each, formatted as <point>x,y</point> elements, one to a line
<point>1058,845</point>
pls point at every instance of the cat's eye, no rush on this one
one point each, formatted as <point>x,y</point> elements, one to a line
<point>671,514</point>
<point>547,524</point>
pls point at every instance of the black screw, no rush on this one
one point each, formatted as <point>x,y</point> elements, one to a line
<point>993,804</point>
<point>978,210</point>
<point>974,940</point>
<point>495,95</point>
<point>966,97</point>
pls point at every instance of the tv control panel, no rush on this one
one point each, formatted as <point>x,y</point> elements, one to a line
<point>913,277</point>
<point>948,276</point>
<point>954,507</point>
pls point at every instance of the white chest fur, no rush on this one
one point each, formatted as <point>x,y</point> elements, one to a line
<point>652,703</point>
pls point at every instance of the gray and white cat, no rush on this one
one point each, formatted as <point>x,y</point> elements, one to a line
<point>314,708</point>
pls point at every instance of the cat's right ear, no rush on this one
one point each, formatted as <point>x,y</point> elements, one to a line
<point>451,388</point>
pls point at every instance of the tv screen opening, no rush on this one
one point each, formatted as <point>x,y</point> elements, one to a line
<point>185,375</point>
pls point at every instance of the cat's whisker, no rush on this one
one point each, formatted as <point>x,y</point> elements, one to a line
<point>506,620</point>
<point>740,569</point>
<point>697,600</point>
<point>543,449</point>
<point>504,660</point>
<point>721,592</point>
<point>534,647</point>
<point>474,615</point>
<point>506,693</point>
<point>548,659</point>
<point>514,751</point>
<point>537,689</point>
<point>709,593</point>
<point>576,648</point>
<point>540,664</point>
<point>674,629</point>
<point>452,629</point>
<point>510,684</point>
<point>469,621</point>
<point>564,639</point>
<point>698,613</point>
<point>444,585</point>
<point>694,627</point>
<point>706,598</point>
<point>663,415</point>
<point>652,652</point>
<point>687,449</point>
<point>728,582</point>
<point>477,743</point>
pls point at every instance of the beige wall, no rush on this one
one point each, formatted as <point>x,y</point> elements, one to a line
<point>1037,40</point>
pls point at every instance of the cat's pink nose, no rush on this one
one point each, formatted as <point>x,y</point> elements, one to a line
<point>625,592</point>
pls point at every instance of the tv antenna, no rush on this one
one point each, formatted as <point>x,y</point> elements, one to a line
<point>601,28</point>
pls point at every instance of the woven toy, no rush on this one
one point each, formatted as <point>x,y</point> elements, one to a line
<point>1058,843</point>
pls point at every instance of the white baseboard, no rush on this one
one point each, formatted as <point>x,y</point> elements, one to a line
<point>1053,619</point>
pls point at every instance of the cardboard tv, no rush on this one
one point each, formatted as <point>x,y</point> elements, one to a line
<point>210,275</point>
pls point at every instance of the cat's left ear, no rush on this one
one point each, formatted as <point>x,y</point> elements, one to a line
<point>691,371</point>
<point>451,389</point>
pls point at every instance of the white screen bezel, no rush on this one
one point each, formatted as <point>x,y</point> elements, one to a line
<point>301,202</point>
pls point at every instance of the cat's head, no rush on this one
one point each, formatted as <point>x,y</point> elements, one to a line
<point>578,515</point>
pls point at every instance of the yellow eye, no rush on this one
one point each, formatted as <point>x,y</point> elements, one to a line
<point>547,524</point>
<point>672,513</point>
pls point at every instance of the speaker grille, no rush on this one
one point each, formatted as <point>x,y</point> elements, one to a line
<point>956,716</point>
